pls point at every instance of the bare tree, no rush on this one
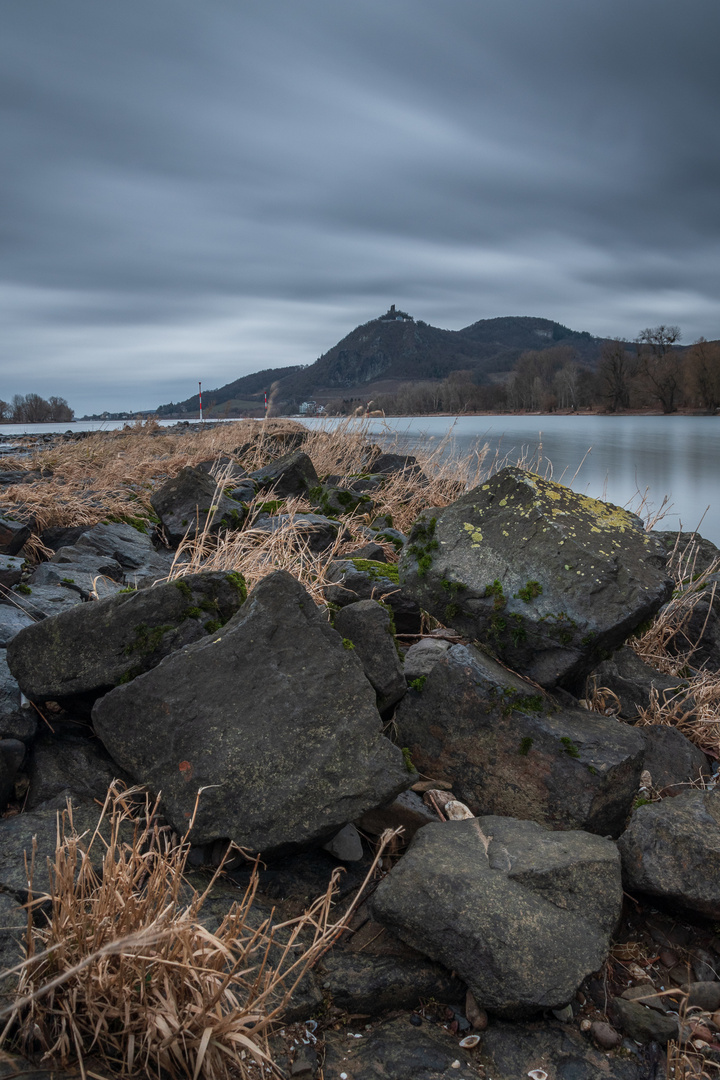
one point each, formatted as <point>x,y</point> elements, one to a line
<point>659,365</point>
<point>703,369</point>
<point>617,369</point>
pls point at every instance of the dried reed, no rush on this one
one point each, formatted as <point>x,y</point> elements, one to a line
<point>123,969</point>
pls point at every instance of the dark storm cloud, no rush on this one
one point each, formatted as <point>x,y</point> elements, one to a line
<point>203,190</point>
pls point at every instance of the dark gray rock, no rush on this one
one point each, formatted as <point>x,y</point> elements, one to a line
<point>98,645</point>
<point>396,463</point>
<point>700,632</point>
<point>10,570</point>
<point>366,626</point>
<point>671,850</point>
<point>76,768</point>
<point>361,579</point>
<point>190,502</point>
<point>627,676</point>
<point>17,835</point>
<point>224,466</point>
<point>511,1051</point>
<point>43,601</point>
<point>702,995</point>
<point>292,474</point>
<point>642,1024</point>
<point>12,755</point>
<point>346,845</point>
<point>13,928</point>
<point>12,621</point>
<point>89,575</point>
<point>334,501</point>
<point>398,1051</point>
<point>407,812</point>
<point>273,717</point>
<point>13,534</point>
<point>374,984</point>
<point>372,551</point>
<point>547,579</point>
<point>522,914</point>
<point>132,549</point>
<point>509,749</point>
<point>671,759</point>
<point>16,722</point>
<point>689,552</point>
<point>313,530</point>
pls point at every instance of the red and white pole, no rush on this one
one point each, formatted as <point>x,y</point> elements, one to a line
<point>200,399</point>
<point>266,402</point>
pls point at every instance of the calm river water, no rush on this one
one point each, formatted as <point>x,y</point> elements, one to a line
<point>617,456</point>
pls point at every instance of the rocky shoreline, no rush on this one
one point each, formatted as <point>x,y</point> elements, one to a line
<point>549,909</point>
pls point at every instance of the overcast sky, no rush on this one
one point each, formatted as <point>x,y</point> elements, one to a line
<point>198,190</point>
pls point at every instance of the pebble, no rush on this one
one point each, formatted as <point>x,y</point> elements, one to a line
<point>416,1020</point>
<point>477,1017</point>
<point>605,1036</point>
<point>457,811</point>
<point>564,1015</point>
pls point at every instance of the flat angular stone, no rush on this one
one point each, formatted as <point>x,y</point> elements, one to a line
<point>547,579</point>
<point>95,646</point>
<point>522,914</point>
<point>12,621</point>
<point>292,474</point>
<point>671,849</point>
<point>187,502</point>
<point>42,601</point>
<point>314,530</point>
<point>272,717</point>
<point>16,722</point>
<point>507,748</point>
<point>366,626</point>
<point>13,534</point>
<point>10,570</point>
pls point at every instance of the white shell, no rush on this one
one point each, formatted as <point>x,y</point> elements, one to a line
<point>537,1074</point>
<point>457,811</point>
<point>469,1041</point>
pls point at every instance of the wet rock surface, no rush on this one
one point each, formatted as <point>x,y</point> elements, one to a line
<point>546,578</point>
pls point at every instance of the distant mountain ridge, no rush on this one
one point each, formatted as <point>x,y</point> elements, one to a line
<point>390,350</point>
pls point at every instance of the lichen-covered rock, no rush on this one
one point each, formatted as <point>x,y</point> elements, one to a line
<point>354,579</point>
<point>93,647</point>
<point>507,748</point>
<point>522,914</point>
<point>271,717</point>
<point>547,579</point>
<point>190,502</point>
<point>334,501</point>
<point>671,849</point>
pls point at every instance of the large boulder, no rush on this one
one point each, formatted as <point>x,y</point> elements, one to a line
<point>508,748</point>
<point>671,759</point>
<point>671,850</point>
<point>273,719</point>
<point>95,646</point>
<point>522,914</point>
<point>190,503</point>
<point>547,579</point>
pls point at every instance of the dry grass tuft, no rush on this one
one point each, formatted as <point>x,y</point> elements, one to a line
<point>123,970</point>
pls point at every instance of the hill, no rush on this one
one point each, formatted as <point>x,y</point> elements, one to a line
<point>386,352</point>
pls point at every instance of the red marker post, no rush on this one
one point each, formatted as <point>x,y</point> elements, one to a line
<point>200,399</point>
